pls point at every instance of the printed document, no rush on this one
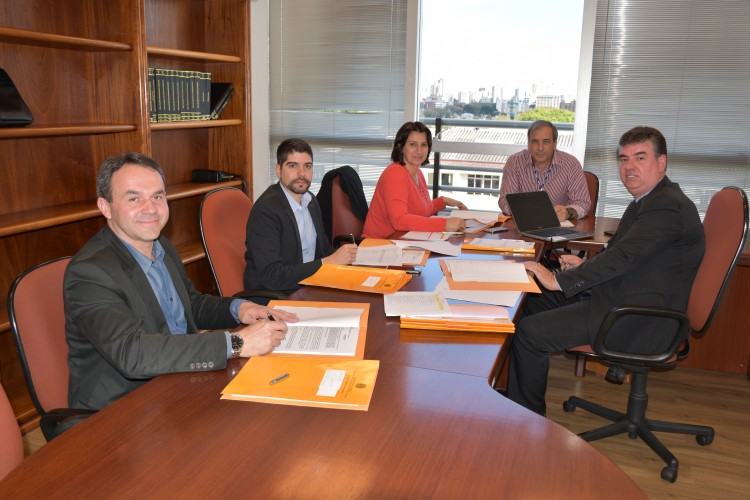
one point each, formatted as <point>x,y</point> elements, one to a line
<point>326,330</point>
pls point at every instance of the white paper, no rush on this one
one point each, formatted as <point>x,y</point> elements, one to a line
<point>331,383</point>
<point>491,242</point>
<point>322,330</point>
<point>485,217</point>
<point>382,255</point>
<point>442,247</point>
<point>424,236</point>
<point>415,303</point>
<point>487,271</point>
<point>493,297</point>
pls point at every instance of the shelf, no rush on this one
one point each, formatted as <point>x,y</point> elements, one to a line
<point>62,40</point>
<point>40,218</point>
<point>194,124</point>
<point>190,54</point>
<point>53,131</point>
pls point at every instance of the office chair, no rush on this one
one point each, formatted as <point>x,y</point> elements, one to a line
<point>343,205</point>
<point>37,320</point>
<point>592,183</point>
<point>11,451</point>
<point>223,218</point>
<point>725,226</point>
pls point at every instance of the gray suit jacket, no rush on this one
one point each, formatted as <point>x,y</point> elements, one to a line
<point>116,332</point>
<point>274,249</point>
<point>651,261</point>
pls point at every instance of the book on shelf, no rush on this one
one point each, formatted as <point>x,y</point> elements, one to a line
<point>178,95</point>
<point>221,94</point>
<point>319,382</point>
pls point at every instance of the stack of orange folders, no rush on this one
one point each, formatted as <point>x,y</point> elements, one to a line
<point>358,279</point>
<point>311,381</point>
<point>464,318</point>
<point>502,245</point>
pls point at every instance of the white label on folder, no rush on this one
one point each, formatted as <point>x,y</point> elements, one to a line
<point>371,281</point>
<point>331,383</point>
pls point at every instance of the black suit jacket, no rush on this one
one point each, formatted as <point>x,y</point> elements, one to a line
<point>117,334</point>
<point>274,248</point>
<point>651,261</point>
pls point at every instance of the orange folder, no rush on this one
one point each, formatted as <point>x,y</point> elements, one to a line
<point>298,382</point>
<point>531,286</point>
<point>358,279</point>
<point>360,352</point>
<point>464,318</point>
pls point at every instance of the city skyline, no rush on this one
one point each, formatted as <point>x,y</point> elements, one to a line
<point>537,42</point>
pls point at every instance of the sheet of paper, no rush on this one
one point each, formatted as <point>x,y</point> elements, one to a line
<point>330,331</point>
<point>489,242</point>
<point>442,247</point>
<point>383,255</point>
<point>331,383</point>
<point>415,303</point>
<point>473,225</point>
<point>493,297</point>
<point>424,236</point>
<point>412,257</point>
<point>487,271</point>
<point>485,217</point>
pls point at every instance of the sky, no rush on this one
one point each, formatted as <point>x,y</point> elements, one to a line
<point>506,43</point>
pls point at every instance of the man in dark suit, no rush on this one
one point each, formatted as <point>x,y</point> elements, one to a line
<point>286,241</point>
<point>131,311</point>
<point>651,261</point>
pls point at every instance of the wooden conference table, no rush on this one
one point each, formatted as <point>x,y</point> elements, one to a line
<point>435,429</point>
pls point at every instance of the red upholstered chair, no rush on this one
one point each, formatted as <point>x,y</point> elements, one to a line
<point>223,223</point>
<point>11,449</point>
<point>343,220</point>
<point>725,225</point>
<point>592,183</point>
<point>37,319</point>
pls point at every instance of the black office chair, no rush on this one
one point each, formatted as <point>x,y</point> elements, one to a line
<point>725,226</point>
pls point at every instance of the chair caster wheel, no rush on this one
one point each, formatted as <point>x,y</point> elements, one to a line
<point>568,406</point>
<point>669,474</point>
<point>704,440</point>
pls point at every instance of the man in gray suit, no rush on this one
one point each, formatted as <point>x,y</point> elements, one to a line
<point>131,311</point>
<point>651,261</point>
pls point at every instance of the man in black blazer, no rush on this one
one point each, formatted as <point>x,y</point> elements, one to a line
<point>651,261</point>
<point>131,311</point>
<point>286,240</point>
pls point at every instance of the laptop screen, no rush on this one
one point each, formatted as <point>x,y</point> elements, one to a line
<point>532,210</point>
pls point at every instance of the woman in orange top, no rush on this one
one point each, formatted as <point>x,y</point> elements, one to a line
<point>401,201</point>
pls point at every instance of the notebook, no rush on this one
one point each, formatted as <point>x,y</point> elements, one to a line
<point>536,218</point>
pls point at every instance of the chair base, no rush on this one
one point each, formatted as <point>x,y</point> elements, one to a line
<point>636,425</point>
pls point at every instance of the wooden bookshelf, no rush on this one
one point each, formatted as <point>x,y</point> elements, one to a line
<point>81,66</point>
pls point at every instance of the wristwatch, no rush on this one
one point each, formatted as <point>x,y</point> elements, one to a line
<point>237,343</point>
<point>571,213</point>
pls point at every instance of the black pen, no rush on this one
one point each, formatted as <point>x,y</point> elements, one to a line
<point>270,318</point>
<point>413,271</point>
<point>353,240</point>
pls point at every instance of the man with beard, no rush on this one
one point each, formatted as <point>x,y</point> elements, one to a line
<point>286,242</point>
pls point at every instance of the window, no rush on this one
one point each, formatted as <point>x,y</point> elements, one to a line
<point>446,179</point>
<point>481,181</point>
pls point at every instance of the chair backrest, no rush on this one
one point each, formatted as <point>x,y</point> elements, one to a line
<point>343,219</point>
<point>223,218</point>
<point>725,225</point>
<point>11,451</point>
<point>37,320</point>
<point>592,183</point>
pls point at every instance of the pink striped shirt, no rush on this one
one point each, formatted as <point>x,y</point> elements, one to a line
<point>565,185</point>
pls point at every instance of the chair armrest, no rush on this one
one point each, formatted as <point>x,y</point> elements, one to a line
<point>260,294</point>
<point>342,239</point>
<point>55,422</point>
<point>681,334</point>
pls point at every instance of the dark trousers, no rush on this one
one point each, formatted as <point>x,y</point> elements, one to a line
<point>551,323</point>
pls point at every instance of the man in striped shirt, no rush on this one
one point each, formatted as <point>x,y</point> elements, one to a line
<point>542,168</point>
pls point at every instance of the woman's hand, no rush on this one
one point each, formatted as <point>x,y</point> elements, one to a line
<point>450,202</point>
<point>455,225</point>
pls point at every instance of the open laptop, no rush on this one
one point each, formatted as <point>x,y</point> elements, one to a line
<point>535,217</point>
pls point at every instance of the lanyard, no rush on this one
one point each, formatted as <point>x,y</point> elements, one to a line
<point>539,182</point>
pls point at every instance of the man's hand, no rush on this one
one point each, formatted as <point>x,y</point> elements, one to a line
<point>568,261</point>
<point>250,312</point>
<point>543,275</point>
<point>562,212</point>
<point>455,225</point>
<point>261,337</point>
<point>344,255</point>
